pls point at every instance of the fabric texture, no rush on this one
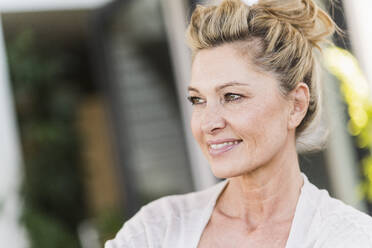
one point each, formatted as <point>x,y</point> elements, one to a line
<point>178,221</point>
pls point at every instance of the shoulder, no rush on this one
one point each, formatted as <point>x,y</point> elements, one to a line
<point>342,225</point>
<point>167,214</point>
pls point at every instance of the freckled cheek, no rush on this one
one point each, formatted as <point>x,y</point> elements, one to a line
<point>251,125</point>
<point>266,126</point>
<point>248,117</point>
<point>250,128</point>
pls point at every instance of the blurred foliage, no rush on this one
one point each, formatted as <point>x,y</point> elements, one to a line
<point>356,92</point>
<point>55,235</point>
<point>45,99</point>
<point>108,223</point>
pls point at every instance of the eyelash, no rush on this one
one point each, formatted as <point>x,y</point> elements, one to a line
<point>239,97</point>
<point>193,99</point>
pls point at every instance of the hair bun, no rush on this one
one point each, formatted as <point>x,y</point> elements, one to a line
<point>304,15</point>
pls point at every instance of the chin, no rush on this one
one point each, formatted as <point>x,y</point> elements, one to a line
<point>222,171</point>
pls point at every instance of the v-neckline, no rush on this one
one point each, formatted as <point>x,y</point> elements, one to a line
<point>300,223</point>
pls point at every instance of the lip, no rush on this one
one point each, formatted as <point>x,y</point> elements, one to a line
<point>220,141</point>
<point>215,152</point>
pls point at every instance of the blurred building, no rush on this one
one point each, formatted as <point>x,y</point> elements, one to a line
<point>128,67</point>
<point>55,26</point>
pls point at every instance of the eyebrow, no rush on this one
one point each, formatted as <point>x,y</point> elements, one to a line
<point>220,87</point>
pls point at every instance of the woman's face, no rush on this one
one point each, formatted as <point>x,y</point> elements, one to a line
<point>239,118</point>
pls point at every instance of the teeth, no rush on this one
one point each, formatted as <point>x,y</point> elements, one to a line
<point>219,146</point>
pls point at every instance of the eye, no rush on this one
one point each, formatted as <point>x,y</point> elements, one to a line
<point>195,100</point>
<point>230,97</point>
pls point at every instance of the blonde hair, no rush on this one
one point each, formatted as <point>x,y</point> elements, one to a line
<point>282,33</point>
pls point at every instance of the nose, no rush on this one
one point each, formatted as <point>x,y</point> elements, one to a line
<point>212,120</point>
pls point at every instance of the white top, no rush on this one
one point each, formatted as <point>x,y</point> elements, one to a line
<point>178,222</point>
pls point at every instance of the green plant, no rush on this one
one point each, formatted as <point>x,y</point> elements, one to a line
<point>108,223</point>
<point>46,99</point>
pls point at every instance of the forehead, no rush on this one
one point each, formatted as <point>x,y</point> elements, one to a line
<point>223,64</point>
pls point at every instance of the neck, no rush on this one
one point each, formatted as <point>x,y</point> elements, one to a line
<point>266,195</point>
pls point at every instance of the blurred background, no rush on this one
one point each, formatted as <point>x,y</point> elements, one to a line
<point>94,121</point>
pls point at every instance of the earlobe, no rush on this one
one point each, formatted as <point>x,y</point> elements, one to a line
<point>300,97</point>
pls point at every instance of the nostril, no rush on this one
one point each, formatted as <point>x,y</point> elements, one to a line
<point>212,120</point>
<point>213,126</point>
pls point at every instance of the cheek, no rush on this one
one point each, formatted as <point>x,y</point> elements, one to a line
<point>261,122</point>
<point>195,126</point>
<point>273,126</point>
<point>248,116</point>
<point>250,126</point>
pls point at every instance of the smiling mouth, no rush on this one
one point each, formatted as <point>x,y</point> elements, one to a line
<point>217,149</point>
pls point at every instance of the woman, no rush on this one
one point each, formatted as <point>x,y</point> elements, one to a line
<point>254,93</point>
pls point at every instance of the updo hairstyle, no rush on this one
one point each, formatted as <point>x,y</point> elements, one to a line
<point>278,36</point>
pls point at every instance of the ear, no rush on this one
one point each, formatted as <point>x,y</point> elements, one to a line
<point>299,103</point>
